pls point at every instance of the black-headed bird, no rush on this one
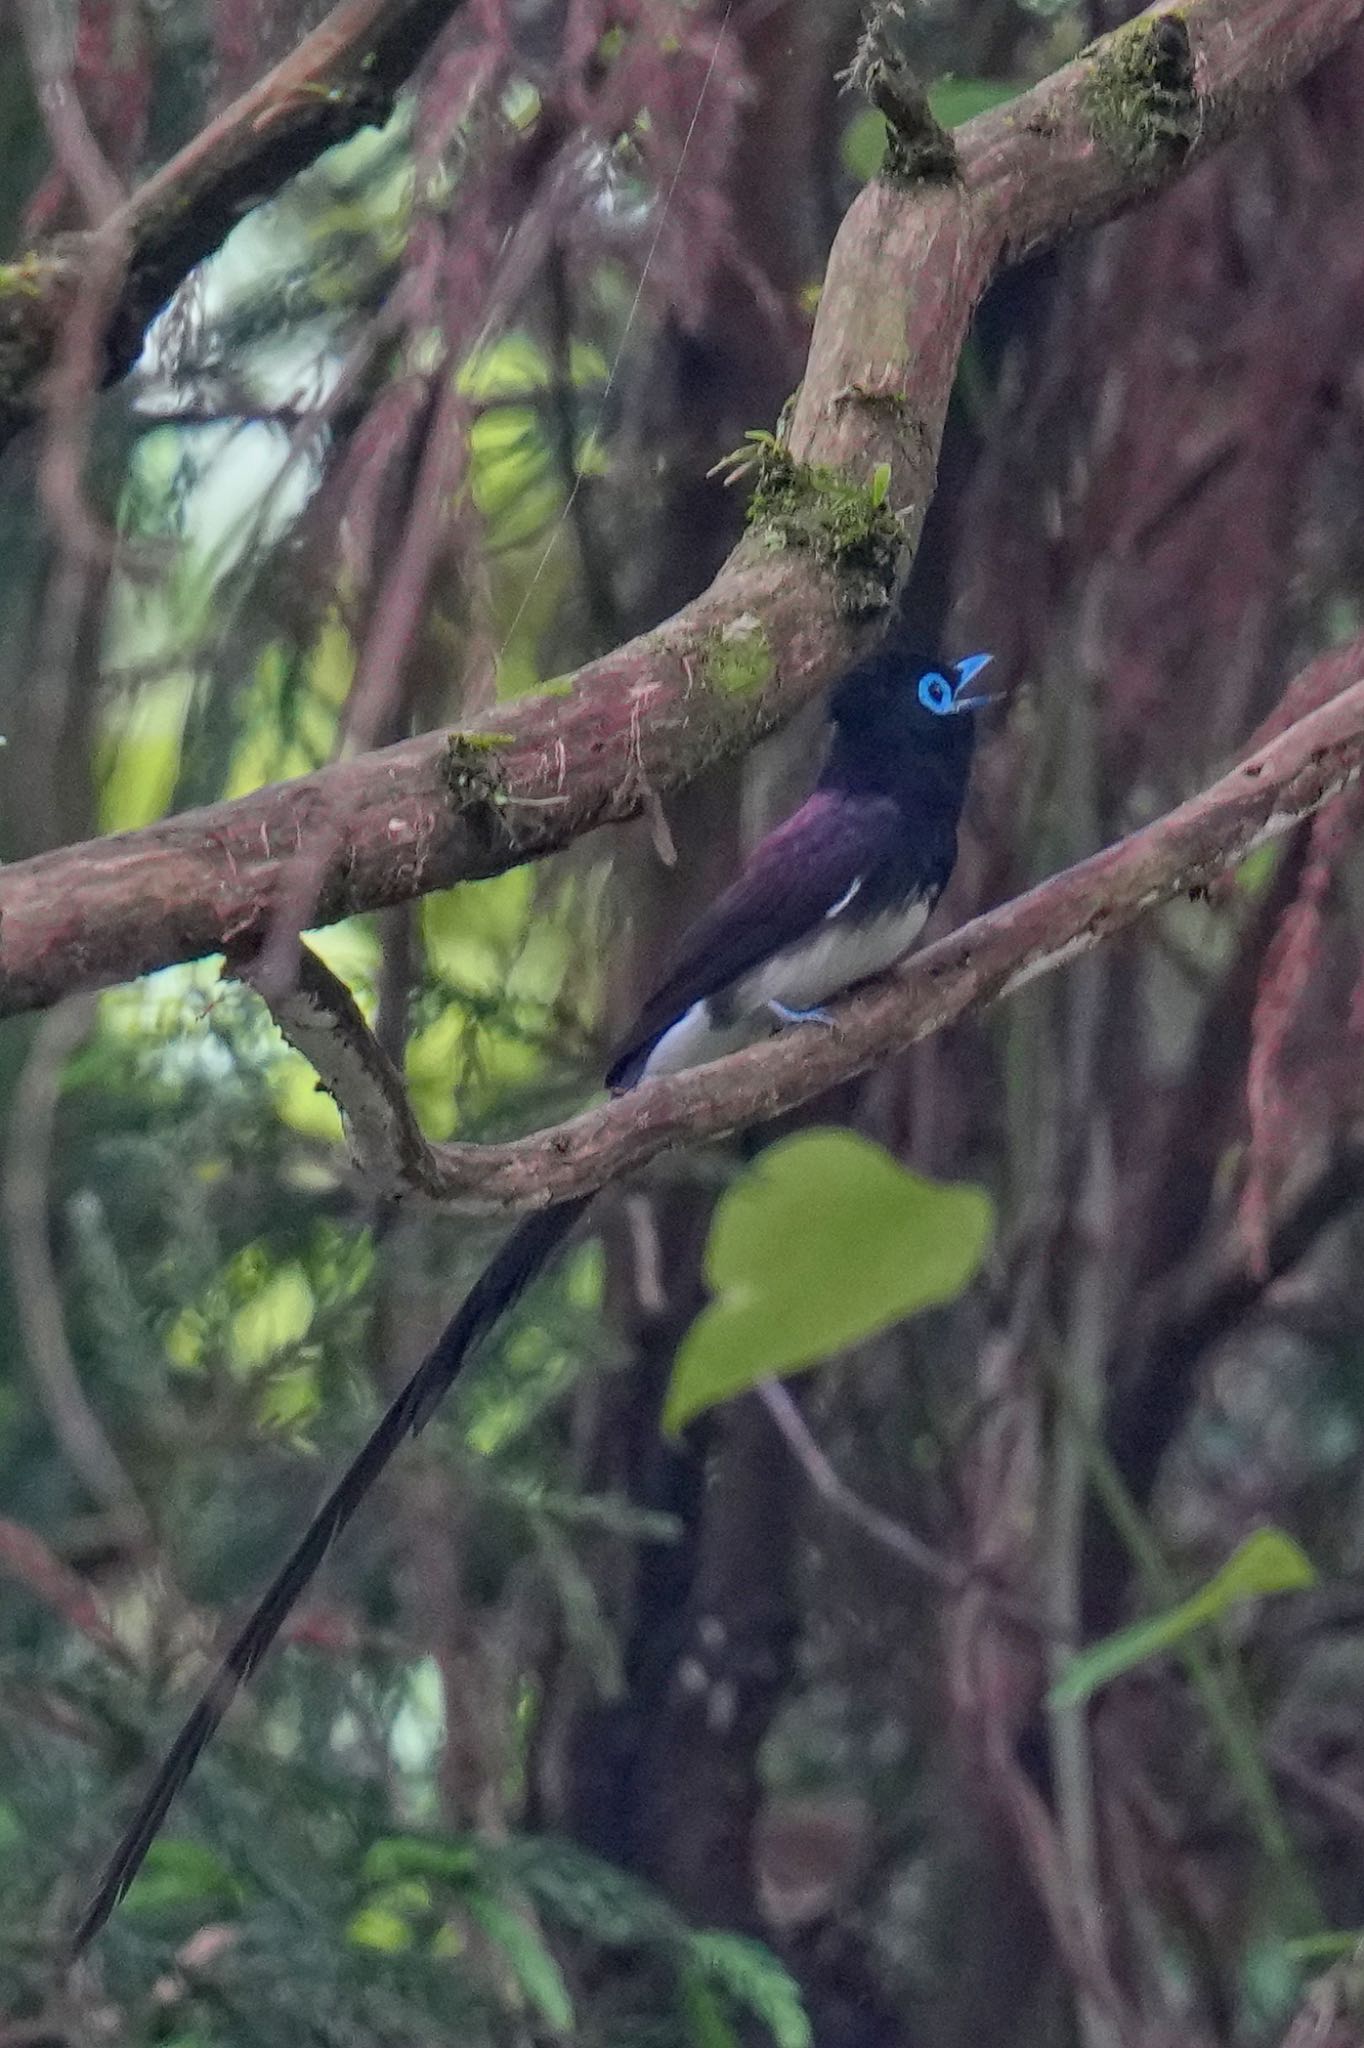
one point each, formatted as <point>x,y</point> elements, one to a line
<point>836,894</point>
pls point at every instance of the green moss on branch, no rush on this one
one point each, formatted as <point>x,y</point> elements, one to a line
<point>737,658</point>
<point>1141,99</point>
<point>849,526</point>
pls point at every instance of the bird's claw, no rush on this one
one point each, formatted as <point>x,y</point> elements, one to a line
<point>784,1015</point>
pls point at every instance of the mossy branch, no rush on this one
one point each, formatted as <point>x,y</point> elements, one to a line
<point>838,506</point>
<point>1141,95</point>
<point>918,146</point>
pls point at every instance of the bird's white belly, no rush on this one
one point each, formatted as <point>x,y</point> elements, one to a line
<point>833,958</point>
<point>696,1038</point>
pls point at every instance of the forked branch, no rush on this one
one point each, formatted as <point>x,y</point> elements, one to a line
<point>1260,799</point>
<point>800,598</point>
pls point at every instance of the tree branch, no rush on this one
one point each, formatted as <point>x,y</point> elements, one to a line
<point>341,78</point>
<point>321,1019</point>
<point>794,604</point>
<point>1063,918</point>
<point>951,1574</point>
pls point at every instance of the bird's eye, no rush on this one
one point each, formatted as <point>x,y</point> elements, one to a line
<point>935,692</point>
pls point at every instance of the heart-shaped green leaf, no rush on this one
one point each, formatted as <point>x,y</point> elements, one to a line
<point>822,1242</point>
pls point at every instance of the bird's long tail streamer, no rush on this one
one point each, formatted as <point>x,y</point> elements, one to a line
<point>502,1280</point>
<point>509,1272</point>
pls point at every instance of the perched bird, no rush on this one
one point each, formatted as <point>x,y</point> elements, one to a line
<point>842,889</point>
<point>834,895</point>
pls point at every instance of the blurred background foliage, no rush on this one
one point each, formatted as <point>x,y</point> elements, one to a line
<point>751,1731</point>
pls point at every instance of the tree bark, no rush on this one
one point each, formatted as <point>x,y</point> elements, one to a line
<point>803,594</point>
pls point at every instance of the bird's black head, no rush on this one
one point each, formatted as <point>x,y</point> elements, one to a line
<point>897,718</point>
<point>930,701</point>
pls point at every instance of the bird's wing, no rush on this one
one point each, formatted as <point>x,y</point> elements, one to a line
<point>794,878</point>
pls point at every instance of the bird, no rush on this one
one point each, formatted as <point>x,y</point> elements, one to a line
<point>841,890</point>
<point>828,899</point>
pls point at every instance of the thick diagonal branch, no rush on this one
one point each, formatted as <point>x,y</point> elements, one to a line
<point>784,616</point>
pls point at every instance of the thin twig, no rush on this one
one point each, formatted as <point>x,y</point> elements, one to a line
<point>1344,1805</point>
<point>26,1194</point>
<point>892,1535</point>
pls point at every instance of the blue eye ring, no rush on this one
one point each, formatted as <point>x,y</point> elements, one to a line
<point>935,692</point>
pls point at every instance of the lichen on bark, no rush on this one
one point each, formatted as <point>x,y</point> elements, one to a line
<point>1141,98</point>
<point>737,658</point>
<point>847,525</point>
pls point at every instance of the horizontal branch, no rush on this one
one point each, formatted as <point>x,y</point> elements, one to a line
<point>1262,797</point>
<point>785,615</point>
<point>344,76</point>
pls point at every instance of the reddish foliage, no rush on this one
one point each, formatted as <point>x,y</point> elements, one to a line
<point>1164,509</point>
<point>524,195</point>
<point>111,76</point>
<point>25,1557</point>
<point>1293,957</point>
<point>1161,432</point>
<point>250,35</point>
<point>689,75</point>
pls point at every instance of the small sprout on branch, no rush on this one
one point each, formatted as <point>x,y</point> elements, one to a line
<point>787,414</point>
<point>482,742</point>
<point>918,146</point>
<point>23,279</point>
<point>470,769</point>
<point>848,525</point>
<point>745,461</point>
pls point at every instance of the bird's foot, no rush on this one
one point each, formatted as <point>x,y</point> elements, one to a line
<point>784,1015</point>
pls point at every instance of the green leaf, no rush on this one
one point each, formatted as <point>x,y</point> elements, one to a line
<point>755,1979</point>
<point>1323,1948</point>
<point>954,100</point>
<point>706,2023</point>
<point>379,1927</point>
<point>278,1316</point>
<point>1267,1562</point>
<point>396,1857</point>
<point>822,1242</point>
<point>180,1873</point>
<point>1258,869</point>
<point>139,754</point>
<point>590,1896</point>
<point>863,144</point>
<point>291,1399</point>
<point>534,1968</point>
<point>1271,1985</point>
<point>880,483</point>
